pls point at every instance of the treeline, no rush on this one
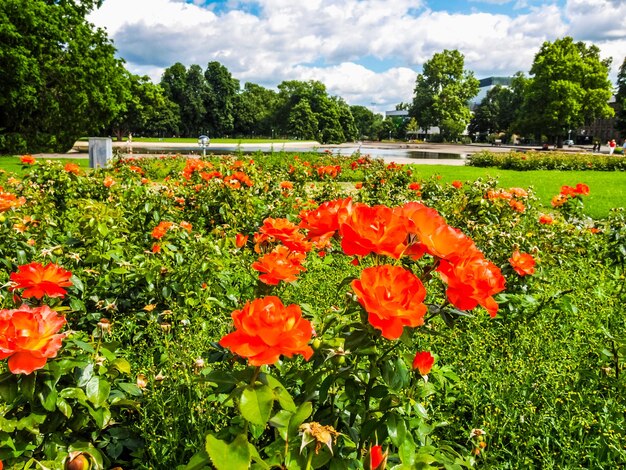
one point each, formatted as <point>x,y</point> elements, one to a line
<point>67,83</point>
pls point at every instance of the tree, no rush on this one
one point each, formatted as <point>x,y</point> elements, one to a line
<point>570,87</point>
<point>221,89</point>
<point>620,97</point>
<point>367,122</point>
<point>302,122</point>
<point>443,90</point>
<point>253,110</point>
<point>144,103</point>
<point>59,77</point>
<point>193,111</point>
<point>495,113</point>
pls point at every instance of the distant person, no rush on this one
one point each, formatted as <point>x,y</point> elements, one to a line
<point>612,146</point>
<point>596,145</point>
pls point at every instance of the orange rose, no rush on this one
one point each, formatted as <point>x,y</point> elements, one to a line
<point>72,168</point>
<point>28,337</point>
<point>27,159</point>
<point>241,240</point>
<point>546,219</point>
<point>457,184</point>
<point>522,263</point>
<point>265,329</point>
<point>392,297</point>
<point>161,229</point>
<point>377,229</point>
<point>423,362</point>
<point>326,218</point>
<point>472,281</point>
<point>108,182</point>
<point>280,264</point>
<point>39,280</point>
<point>284,231</point>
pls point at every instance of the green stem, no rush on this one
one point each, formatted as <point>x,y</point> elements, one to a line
<point>308,461</point>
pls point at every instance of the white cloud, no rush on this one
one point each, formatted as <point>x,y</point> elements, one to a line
<point>326,39</point>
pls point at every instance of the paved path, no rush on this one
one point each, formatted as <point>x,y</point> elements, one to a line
<point>141,149</point>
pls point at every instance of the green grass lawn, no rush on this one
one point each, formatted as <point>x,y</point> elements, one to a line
<point>607,189</point>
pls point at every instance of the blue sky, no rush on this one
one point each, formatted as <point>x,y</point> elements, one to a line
<point>366,51</point>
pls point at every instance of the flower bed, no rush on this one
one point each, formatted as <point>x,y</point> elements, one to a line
<point>533,160</point>
<point>299,312</point>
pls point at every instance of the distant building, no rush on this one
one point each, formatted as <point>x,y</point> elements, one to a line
<point>600,129</point>
<point>486,84</point>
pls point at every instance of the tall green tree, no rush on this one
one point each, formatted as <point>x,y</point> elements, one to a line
<point>443,90</point>
<point>254,109</point>
<point>366,121</point>
<point>495,113</point>
<point>570,86</point>
<point>193,111</point>
<point>302,122</point>
<point>59,77</point>
<point>221,90</point>
<point>144,104</point>
<point>620,97</point>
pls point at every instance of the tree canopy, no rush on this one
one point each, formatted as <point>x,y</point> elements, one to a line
<point>59,77</point>
<point>620,97</point>
<point>569,87</point>
<point>443,90</point>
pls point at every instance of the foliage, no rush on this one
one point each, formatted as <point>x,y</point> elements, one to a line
<point>495,113</point>
<point>153,247</point>
<point>443,90</point>
<point>620,98</point>
<point>58,86</point>
<point>524,161</point>
<point>570,86</point>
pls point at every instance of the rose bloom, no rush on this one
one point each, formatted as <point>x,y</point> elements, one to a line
<point>284,231</point>
<point>358,185</point>
<point>559,200</point>
<point>186,226</point>
<point>457,184</point>
<point>472,281</point>
<point>546,219</point>
<point>326,218</point>
<point>286,185</point>
<point>241,240</point>
<point>377,229</point>
<point>423,362</point>
<point>582,189</point>
<point>415,186</point>
<point>28,337</point>
<point>378,458</point>
<point>39,280</point>
<point>72,168</point>
<point>518,192</point>
<point>108,182</point>
<point>568,191</point>
<point>161,229</point>
<point>517,206</point>
<point>8,200</point>
<point>265,329</point>
<point>522,263</point>
<point>392,297</point>
<point>280,264</point>
<point>27,159</point>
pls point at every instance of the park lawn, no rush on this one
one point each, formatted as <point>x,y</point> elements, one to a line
<point>13,164</point>
<point>607,189</point>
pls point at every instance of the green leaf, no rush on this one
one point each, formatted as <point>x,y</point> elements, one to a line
<point>199,461</point>
<point>256,404</point>
<point>301,414</point>
<point>233,456</point>
<point>396,428</point>
<point>48,398</point>
<point>64,407</point>
<point>122,365</point>
<point>31,423</point>
<point>281,393</point>
<point>75,393</point>
<point>27,386</point>
<point>97,390</point>
<point>101,416</point>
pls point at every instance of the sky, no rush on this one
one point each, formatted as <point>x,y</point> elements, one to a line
<point>369,52</point>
